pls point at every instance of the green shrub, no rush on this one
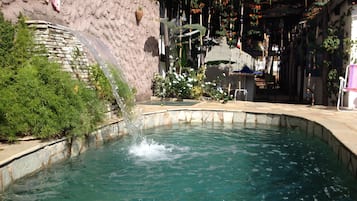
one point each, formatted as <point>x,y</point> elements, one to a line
<point>37,98</point>
<point>126,92</point>
<point>104,88</point>
<point>7,33</point>
<point>46,102</point>
<point>101,83</point>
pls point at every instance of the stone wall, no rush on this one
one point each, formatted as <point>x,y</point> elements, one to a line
<point>113,25</point>
<point>63,47</point>
<point>44,156</point>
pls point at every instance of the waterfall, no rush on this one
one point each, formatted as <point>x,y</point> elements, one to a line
<point>103,56</point>
<point>142,148</point>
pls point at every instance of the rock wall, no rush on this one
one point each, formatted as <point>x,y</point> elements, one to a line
<point>63,47</point>
<point>112,24</point>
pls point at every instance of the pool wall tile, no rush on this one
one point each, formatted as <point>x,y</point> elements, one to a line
<point>59,151</point>
<point>164,119</point>
<point>188,117</point>
<point>79,145</point>
<point>344,155</point>
<point>40,158</point>
<point>353,165</point>
<point>220,115</point>
<point>239,117</point>
<point>173,116</point>
<point>98,138</point>
<point>152,121</point>
<point>228,117</point>
<point>196,117</point>
<point>335,144</point>
<point>310,128</point>
<point>318,130</point>
<point>295,123</point>
<point>167,118</point>
<point>182,116</point>
<point>29,163</point>
<point>251,118</point>
<point>207,116</point>
<point>283,121</point>
<point>159,119</point>
<point>5,177</point>
<point>149,121</point>
<point>326,134</point>
<point>261,118</point>
<point>216,118</point>
<point>274,120</point>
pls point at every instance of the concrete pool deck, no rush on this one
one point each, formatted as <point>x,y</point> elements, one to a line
<point>342,124</point>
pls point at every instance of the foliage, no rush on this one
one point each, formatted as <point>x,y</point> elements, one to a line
<point>332,82</point>
<point>228,18</point>
<point>188,85</point>
<point>36,97</point>
<point>215,89</point>
<point>43,101</point>
<point>336,46</point>
<point>126,92</point>
<point>101,83</point>
<point>331,42</point>
<point>7,32</point>
<point>198,89</point>
<point>104,88</point>
<point>176,85</point>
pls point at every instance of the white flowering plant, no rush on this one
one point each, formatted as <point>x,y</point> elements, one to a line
<point>215,89</point>
<point>187,85</point>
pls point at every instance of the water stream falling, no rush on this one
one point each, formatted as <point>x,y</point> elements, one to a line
<point>131,119</point>
<point>141,147</point>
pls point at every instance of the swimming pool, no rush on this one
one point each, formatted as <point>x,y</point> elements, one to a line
<point>195,162</point>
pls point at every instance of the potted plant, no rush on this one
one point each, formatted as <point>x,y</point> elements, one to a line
<point>196,7</point>
<point>139,14</point>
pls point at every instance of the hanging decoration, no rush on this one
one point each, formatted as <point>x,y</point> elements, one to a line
<point>239,43</point>
<point>56,4</point>
<point>196,7</point>
<point>139,14</point>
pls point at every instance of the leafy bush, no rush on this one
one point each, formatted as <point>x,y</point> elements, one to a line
<point>44,101</point>
<point>104,88</point>
<point>37,97</point>
<point>126,92</point>
<point>7,33</point>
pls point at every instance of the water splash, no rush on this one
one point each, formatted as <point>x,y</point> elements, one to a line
<point>149,150</point>
<point>133,118</point>
<point>133,121</point>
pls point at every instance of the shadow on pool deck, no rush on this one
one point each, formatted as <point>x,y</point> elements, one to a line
<point>170,103</point>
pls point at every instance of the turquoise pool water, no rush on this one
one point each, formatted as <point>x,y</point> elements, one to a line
<point>192,163</point>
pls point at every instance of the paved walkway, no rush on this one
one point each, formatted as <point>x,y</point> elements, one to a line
<point>343,124</point>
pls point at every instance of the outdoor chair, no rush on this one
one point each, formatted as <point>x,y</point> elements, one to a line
<point>240,90</point>
<point>348,84</point>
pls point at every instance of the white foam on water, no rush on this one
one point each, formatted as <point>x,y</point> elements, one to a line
<point>149,150</point>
